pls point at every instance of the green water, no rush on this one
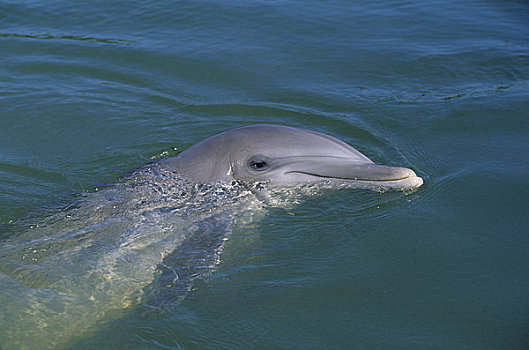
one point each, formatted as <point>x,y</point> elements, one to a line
<point>91,91</point>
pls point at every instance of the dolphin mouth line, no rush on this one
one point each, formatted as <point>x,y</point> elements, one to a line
<point>352,178</point>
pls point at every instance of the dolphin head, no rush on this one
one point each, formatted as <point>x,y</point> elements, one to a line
<point>286,156</point>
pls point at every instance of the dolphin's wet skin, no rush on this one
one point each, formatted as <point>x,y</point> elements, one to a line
<point>286,156</point>
<point>156,230</point>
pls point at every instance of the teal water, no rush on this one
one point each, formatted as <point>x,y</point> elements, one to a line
<point>91,91</point>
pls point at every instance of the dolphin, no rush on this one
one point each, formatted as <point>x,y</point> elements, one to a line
<point>282,155</point>
<point>139,243</point>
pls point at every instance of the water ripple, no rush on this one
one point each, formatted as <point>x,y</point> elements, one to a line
<point>48,36</point>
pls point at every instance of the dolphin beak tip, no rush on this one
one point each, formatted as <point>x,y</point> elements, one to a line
<point>413,181</point>
<point>418,181</point>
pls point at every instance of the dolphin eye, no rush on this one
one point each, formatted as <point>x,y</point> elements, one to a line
<point>258,163</point>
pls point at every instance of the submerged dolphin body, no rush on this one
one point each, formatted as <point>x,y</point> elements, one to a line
<point>142,241</point>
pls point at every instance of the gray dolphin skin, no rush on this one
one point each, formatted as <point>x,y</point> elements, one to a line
<point>138,244</point>
<point>283,155</point>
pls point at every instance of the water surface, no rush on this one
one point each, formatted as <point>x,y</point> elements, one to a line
<point>91,91</point>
